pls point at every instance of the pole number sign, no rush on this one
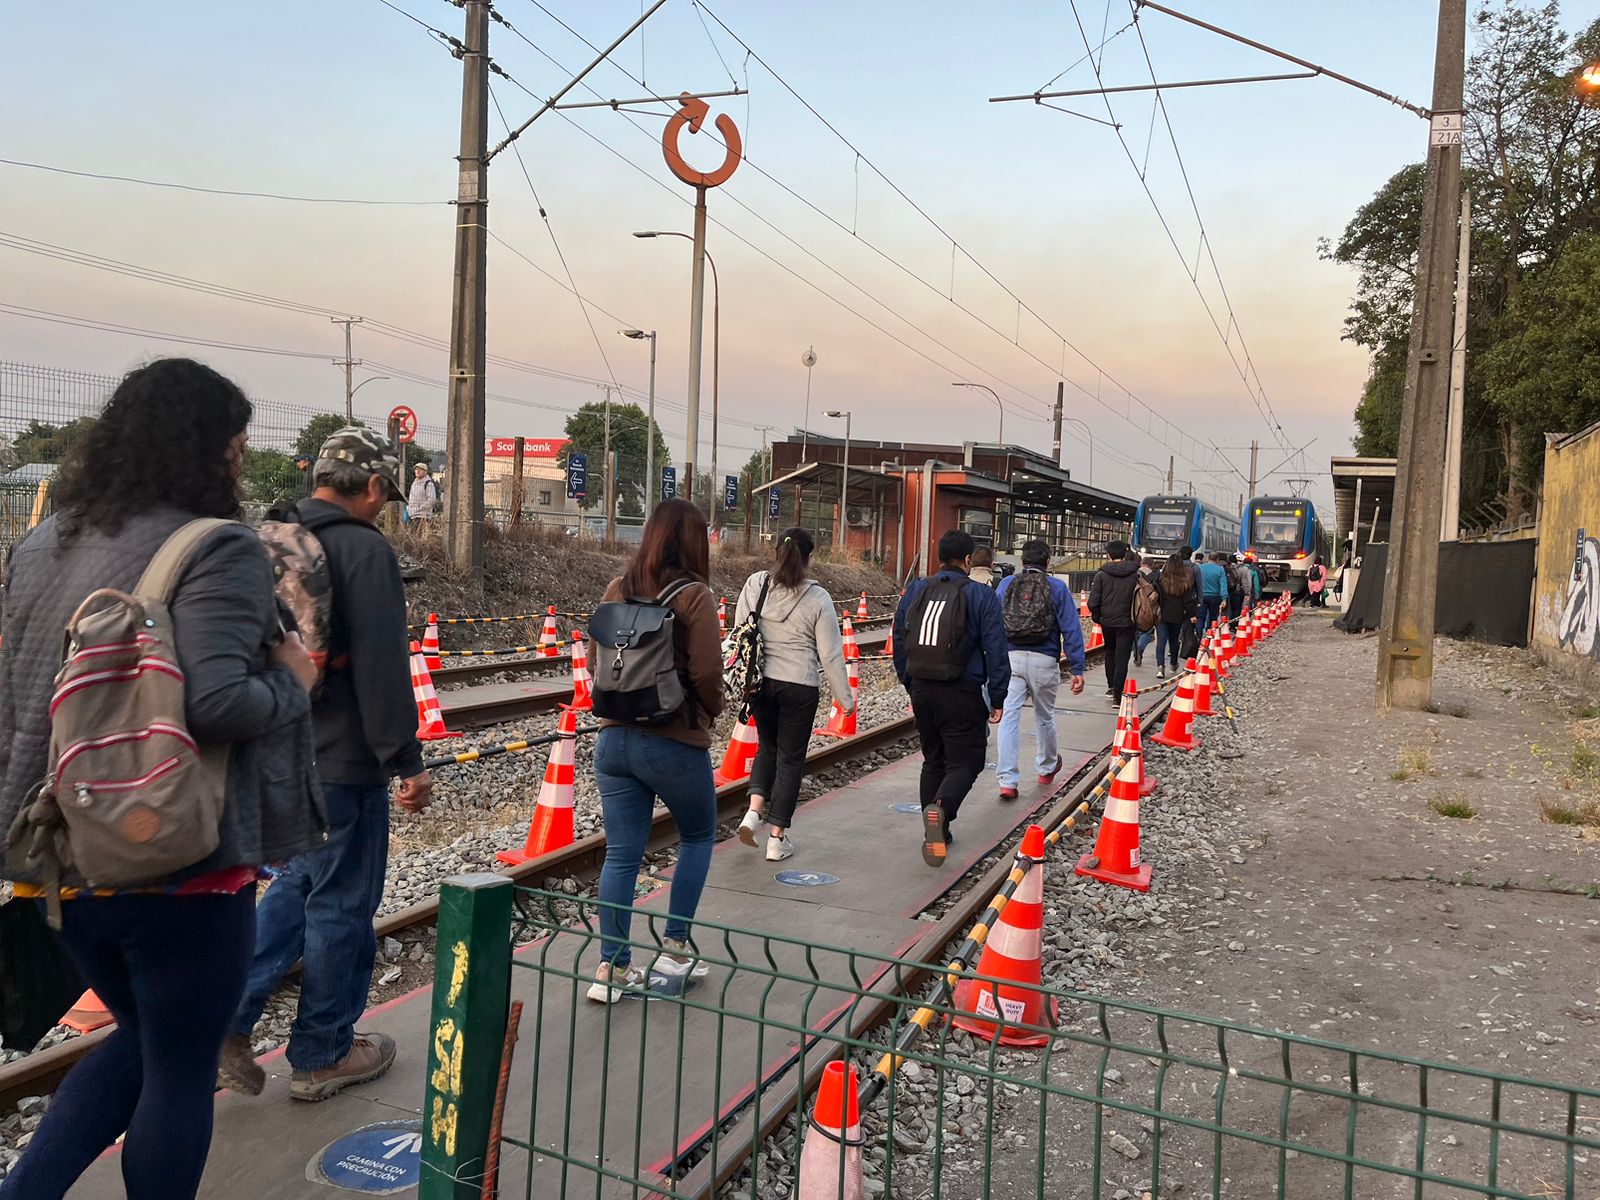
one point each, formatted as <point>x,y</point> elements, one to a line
<point>669,482</point>
<point>405,422</point>
<point>577,476</point>
<point>1444,129</point>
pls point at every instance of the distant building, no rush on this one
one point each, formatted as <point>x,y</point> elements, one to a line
<point>544,483</point>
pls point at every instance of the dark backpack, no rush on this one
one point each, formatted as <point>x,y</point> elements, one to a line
<point>937,640</point>
<point>304,581</point>
<point>1028,609</point>
<point>636,680</point>
<point>1146,603</point>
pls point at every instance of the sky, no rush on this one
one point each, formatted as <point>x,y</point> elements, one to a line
<point>928,237</point>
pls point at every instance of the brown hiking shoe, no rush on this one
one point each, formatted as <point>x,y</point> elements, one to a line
<point>371,1054</point>
<point>237,1070</point>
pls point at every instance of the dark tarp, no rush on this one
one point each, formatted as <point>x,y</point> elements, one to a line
<point>1485,591</point>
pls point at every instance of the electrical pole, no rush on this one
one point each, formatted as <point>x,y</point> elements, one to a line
<point>611,483</point>
<point>1450,517</point>
<point>1255,450</point>
<point>1171,483</point>
<point>1061,393</point>
<point>463,530</point>
<point>1410,589</point>
<point>347,362</point>
<point>651,484</point>
<point>697,310</point>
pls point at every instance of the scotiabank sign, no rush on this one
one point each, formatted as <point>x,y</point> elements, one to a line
<point>532,447</point>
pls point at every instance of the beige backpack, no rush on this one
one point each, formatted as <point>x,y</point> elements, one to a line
<point>129,797</point>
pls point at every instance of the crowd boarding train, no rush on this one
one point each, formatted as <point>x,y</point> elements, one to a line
<point>1163,525</point>
<point>1284,535</point>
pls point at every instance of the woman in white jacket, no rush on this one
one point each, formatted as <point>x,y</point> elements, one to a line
<point>800,636</point>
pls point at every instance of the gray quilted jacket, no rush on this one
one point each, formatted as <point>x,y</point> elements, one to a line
<point>224,617</point>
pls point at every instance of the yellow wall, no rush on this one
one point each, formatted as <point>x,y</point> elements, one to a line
<point>1566,603</point>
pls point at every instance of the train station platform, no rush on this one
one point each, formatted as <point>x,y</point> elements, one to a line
<point>857,882</point>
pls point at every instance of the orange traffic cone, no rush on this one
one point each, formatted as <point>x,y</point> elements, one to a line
<point>722,616</point>
<point>1243,637</point>
<point>551,827</point>
<point>548,636</point>
<point>430,642</point>
<point>851,650</point>
<point>1178,732</point>
<point>1097,637</point>
<point>842,724</point>
<point>430,719</point>
<point>830,1159</point>
<point>1130,743</point>
<point>741,752</point>
<point>861,609</point>
<point>1225,649</point>
<point>87,1014</point>
<point>1116,848</point>
<point>1012,953</point>
<point>1083,604</point>
<point>582,681</point>
<point>1204,680</point>
<point>888,643</point>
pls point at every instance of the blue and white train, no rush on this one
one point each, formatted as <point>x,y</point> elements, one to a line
<point>1163,525</point>
<point>1284,535</point>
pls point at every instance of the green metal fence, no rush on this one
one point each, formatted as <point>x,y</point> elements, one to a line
<point>655,1096</point>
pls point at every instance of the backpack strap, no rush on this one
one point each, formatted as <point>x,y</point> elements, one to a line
<point>160,577</point>
<point>761,600</point>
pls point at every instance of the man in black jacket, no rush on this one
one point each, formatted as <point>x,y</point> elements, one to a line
<point>319,910</point>
<point>1111,606</point>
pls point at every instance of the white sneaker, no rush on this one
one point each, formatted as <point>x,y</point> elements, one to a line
<point>611,983</point>
<point>748,827</point>
<point>1161,673</point>
<point>678,959</point>
<point>779,848</point>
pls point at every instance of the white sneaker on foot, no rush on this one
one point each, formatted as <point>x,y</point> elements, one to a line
<point>678,959</point>
<point>748,827</point>
<point>779,848</point>
<point>611,982</point>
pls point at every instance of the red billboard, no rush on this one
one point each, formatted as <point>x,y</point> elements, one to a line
<point>504,447</point>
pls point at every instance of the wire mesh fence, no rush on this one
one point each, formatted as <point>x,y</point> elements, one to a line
<point>665,1092</point>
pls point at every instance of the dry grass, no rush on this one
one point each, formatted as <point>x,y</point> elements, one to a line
<point>1414,760</point>
<point>1571,812</point>
<point>1453,806</point>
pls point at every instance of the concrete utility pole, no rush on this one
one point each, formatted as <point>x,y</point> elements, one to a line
<point>463,527</point>
<point>347,362</point>
<point>1255,451</point>
<point>1171,483</point>
<point>697,311</point>
<point>1450,518</point>
<point>1405,643</point>
<point>611,481</point>
<point>807,360</point>
<point>1055,449</point>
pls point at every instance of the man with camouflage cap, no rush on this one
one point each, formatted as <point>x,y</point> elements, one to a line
<point>319,910</point>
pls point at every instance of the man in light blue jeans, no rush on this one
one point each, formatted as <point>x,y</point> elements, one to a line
<point>1042,627</point>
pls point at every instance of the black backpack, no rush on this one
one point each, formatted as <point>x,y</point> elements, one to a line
<point>1029,610</point>
<point>636,676</point>
<point>937,641</point>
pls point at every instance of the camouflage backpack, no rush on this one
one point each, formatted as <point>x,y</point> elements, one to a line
<point>303,580</point>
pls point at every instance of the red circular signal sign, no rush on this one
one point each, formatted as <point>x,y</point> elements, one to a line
<point>406,420</point>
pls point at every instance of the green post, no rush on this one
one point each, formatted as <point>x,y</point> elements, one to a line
<point>471,997</point>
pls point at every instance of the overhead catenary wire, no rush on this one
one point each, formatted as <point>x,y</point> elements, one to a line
<point>219,191</point>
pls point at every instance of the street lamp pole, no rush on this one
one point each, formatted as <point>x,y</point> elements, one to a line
<point>650,419</point>
<point>1089,434</point>
<point>807,360</point>
<point>844,472</point>
<point>1001,407</point>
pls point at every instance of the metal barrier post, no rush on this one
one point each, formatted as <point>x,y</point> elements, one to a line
<point>471,994</point>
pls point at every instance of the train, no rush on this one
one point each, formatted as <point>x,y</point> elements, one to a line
<point>1284,535</point>
<point>1163,525</point>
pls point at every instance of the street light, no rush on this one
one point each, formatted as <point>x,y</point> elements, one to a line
<point>364,382</point>
<point>650,416</point>
<point>716,341</point>
<point>1000,406</point>
<point>807,360</point>
<point>1589,78</point>
<point>844,473</point>
<point>1088,433</point>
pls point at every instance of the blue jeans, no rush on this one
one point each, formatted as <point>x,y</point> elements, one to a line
<point>1211,608</point>
<point>319,911</point>
<point>1167,640</point>
<point>1141,642</point>
<point>632,768</point>
<point>169,969</point>
<point>1036,675</point>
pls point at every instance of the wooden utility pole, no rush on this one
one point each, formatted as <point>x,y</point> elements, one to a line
<point>1405,642</point>
<point>463,527</point>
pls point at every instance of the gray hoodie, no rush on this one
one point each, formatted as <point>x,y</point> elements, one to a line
<point>800,629</point>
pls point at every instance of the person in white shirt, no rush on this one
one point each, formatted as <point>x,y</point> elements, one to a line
<point>422,503</point>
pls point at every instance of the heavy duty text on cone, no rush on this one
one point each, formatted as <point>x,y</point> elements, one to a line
<point>1116,849</point>
<point>1012,952</point>
<point>551,827</point>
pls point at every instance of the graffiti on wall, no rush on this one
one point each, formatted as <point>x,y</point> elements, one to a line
<point>1579,630</point>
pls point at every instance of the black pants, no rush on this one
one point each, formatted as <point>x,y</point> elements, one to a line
<point>784,713</point>
<point>953,725</point>
<point>1119,648</point>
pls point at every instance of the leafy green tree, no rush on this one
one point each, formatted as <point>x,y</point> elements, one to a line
<point>318,430</point>
<point>40,442</point>
<point>586,435</point>
<point>269,476</point>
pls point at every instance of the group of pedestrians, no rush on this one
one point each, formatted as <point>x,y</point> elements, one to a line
<point>185,959</point>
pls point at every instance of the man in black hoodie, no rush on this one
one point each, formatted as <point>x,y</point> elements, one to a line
<point>319,909</point>
<point>1111,606</point>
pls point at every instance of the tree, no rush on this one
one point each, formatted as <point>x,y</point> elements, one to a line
<point>756,468</point>
<point>586,435</point>
<point>269,476</point>
<point>40,442</point>
<point>318,430</point>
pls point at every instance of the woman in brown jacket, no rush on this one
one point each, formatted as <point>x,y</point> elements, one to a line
<point>634,764</point>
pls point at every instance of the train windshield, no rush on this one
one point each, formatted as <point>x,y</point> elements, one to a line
<point>1276,528</point>
<point>1166,526</point>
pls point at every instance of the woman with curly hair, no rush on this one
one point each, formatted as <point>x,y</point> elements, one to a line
<point>169,959</point>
